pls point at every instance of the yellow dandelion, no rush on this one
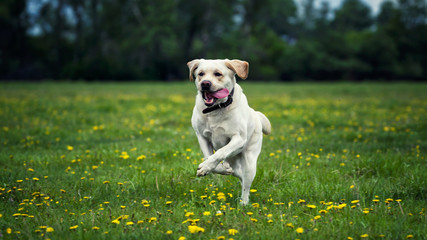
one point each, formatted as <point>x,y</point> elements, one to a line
<point>355,201</point>
<point>195,229</point>
<point>49,229</point>
<point>410,236</point>
<point>364,235</point>
<point>254,220</point>
<point>300,230</point>
<point>122,207</point>
<point>189,214</point>
<point>169,232</point>
<point>129,223</point>
<point>221,196</point>
<point>168,202</point>
<point>207,213</point>
<point>290,225</point>
<point>74,227</point>
<point>9,230</point>
<point>181,238</point>
<point>145,203</point>
<point>311,206</point>
<point>232,231</point>
<point>253,190</point>
<point>95,228</point>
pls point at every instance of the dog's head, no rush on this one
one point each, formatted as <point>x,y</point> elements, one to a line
<point>215,79</point>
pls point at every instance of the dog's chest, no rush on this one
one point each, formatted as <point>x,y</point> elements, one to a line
<point>216,134</point>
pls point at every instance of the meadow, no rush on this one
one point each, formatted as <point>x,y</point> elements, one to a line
<point>119,160</point>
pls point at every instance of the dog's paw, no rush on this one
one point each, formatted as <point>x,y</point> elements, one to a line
<point>244,203</point>
<point>224,169</point>
<point>205,168</point>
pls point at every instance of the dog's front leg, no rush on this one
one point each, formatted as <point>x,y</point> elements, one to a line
<point>234,147</point>
<point>205,146</point>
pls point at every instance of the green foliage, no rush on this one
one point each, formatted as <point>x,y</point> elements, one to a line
<point>128,40</point>
<point>354,15</point>
<point>115,161</point>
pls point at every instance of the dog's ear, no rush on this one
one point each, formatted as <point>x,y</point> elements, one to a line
<point>192,66</point>
<point>241,68</point>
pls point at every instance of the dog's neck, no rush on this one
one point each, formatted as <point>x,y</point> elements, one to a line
<point>221,105</point>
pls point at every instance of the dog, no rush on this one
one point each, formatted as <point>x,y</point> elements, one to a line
<point>228,130</point>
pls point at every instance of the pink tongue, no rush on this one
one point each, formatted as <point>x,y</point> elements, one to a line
<point>221,93</point>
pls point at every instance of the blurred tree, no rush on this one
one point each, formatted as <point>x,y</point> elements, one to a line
<point>13,40</point>
<point>203,23</point>
<point>413,12</point>
<point>277,15</point>
<point>142,39</point>
<point>402,28</point>
<point>388,13</point>
<point>354,15</point>
<point>266,29</point>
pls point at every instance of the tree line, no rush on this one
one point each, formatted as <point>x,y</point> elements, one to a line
<point>152,40</point>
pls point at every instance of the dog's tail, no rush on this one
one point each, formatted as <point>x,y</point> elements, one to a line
<point>266,125</point>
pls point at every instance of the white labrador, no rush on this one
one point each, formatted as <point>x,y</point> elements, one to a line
<point>228,130</point>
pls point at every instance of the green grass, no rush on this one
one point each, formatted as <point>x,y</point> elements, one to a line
<point>114,161</point>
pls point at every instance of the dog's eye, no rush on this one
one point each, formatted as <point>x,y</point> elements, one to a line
<point>201,74</point>
<point>217,74</point>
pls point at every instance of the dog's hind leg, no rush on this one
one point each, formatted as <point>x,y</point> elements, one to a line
<point>247,179</point>
<point>247,170</point>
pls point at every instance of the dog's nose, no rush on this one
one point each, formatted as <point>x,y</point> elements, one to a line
<point>206,85</point>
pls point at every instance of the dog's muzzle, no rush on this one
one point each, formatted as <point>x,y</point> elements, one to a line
<point>206,85</point>
<point>210,97</point>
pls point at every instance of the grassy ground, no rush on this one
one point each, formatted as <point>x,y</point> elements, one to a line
<point>114,161</point>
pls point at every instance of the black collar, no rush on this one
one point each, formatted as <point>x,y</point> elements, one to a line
<point>221,105</point>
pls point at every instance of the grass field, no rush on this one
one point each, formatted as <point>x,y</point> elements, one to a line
<point>116,161</point>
